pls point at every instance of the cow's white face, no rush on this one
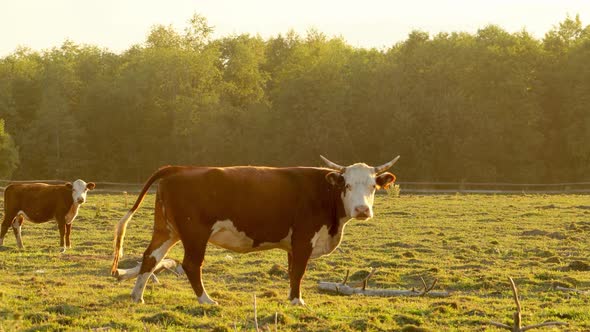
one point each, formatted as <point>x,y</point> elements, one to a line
<point>358,183</point>
<point>358,193</point>
<point>79,190</point>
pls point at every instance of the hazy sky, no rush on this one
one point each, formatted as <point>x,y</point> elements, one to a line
<point>117,24</point>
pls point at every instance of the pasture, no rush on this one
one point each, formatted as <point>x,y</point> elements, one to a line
<point>471,243</point>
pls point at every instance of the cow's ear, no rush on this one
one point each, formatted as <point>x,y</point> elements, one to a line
<point>90,185</point>
<point>68,185</point>
<point>385,180</point>
<point>336,179</point>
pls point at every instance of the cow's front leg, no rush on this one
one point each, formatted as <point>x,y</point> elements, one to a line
<point>68,231</point>
<point>61,225</point>
<point>195,246</point>
<point>17,224</point>
<point>298,263</point>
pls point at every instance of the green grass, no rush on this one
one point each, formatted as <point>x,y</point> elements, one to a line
<point>471,243</point>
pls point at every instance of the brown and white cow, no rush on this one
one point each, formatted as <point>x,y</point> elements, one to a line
<point>40,202</point>
<point>302,210</point>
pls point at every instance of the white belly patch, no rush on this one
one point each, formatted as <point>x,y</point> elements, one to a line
<point>322,243</point>
<point>226,235</point>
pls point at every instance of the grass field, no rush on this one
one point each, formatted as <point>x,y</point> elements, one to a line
<point>471,243</point>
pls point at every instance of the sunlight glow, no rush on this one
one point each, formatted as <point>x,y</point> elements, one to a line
<point>117,25</point>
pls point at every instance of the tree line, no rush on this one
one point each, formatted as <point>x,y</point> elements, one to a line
<point>484,106</point>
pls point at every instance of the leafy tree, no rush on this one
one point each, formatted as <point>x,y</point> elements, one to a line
<point>198,32</point>
<point>484,106</point>
<point>8,154</point>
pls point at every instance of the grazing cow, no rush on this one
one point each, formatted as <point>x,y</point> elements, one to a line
<point>302,210</point>
<point>40,202</point>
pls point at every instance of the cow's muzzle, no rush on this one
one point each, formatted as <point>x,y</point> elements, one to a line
<point>362,212</point>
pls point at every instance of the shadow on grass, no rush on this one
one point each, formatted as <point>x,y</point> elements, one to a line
<point>46,327</point>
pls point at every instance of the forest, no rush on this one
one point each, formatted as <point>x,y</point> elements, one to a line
<point>457,106</point>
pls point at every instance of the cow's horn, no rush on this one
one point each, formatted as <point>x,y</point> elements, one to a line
<point>385,166</point>
<point>332,165</point>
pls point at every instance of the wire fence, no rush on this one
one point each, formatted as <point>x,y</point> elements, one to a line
<point>406,187</point>
<point>494,188</point>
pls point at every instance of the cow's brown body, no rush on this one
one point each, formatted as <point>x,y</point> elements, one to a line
<point>244,209</point>
<point>38,203</point>
<point>266,204</point>
<point>296,199</point>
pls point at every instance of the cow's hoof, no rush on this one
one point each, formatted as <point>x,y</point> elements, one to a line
<point>297,301</point>
<point>62,250</point>
<point>137,299</point>
<point>205,299</point>
<point>122,274</point>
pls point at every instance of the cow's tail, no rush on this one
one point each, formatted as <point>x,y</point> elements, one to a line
<point>121,226</point>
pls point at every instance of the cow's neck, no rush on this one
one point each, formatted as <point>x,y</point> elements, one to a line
<point>338,215</point>
<point>66,195</point>
<point>328,237</point>
<point>72,213</point>
<point>326,240</point>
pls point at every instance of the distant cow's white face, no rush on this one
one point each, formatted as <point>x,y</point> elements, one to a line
<point>79,190</point>
<point>358,183</point>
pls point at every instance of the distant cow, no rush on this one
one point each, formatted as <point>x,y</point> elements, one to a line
<point>40,202</point>
<point>302,210</point>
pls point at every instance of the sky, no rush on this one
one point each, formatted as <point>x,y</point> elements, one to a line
<point>118,24</point>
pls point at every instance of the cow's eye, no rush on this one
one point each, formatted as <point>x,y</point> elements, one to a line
<point>348,187</point>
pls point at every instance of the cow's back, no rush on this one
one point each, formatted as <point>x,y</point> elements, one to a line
<point>263,201</point>
<point>37,200</point>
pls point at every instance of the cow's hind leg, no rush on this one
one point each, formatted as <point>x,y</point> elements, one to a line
<point>195,245</point>
<point>157,250</point>
<point>6,223</point>
<point>17,224</point>
<point>163,238</point>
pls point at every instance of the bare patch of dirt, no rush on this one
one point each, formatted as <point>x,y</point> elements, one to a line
<point>577,266</point>
<point>550,206</point>
<point>553,260</point>
<point>530,214</point>
<point>490,220</point>
<point>534,232</point>
<point>538,232</point>
<point>278,271</point>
